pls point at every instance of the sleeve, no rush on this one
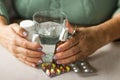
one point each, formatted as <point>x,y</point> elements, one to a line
<point>3,10</point>
<point>118,9</point>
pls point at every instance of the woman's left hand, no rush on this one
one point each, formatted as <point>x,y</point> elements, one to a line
<point>85,42</point>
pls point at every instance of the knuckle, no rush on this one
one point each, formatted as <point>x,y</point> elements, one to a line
<point>24,44</point>
<point>74,39</point>
<point>14,24</point>
<point>74,51</point>
<point>13,42</point>
<point>60,55</point>
<point>26,52</point>
<point>30,54</point>
<point>12,49</point>
<point>24,57</point>
<point>20,29</point>
<point>16,27</point>
<point>70,43</point>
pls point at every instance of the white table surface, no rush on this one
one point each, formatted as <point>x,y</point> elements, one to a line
<point>106,60</point>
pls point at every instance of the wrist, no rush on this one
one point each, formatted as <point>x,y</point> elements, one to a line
<point>102,34</point>
<point>110,29</point>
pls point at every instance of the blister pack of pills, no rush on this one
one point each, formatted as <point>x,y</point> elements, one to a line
<point>53,69</point>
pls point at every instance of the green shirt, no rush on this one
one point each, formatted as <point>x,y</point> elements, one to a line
<point>84,12</point>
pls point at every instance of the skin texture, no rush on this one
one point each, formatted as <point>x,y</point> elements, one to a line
<point>84,43</point>
<point>87,40</point>
<point>13,37</point>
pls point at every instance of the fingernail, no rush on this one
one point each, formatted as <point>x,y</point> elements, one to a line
<point>33,65</point>
<point>40,49</point>
<point>40,61</point>
<point>57,62</point>
<point>43,55</point>
<point>55,57</point>
<point>25,33</point>
<point>58,49</point>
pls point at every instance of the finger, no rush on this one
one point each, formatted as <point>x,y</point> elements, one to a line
<point>68,44</point>
<point>71,59</point>
<point>70,52</point>
<point>29,53</point>
<point>27,44</point>
<point>26,62</point>
<point>19,30</point>
<point>29,59</point>
<point>70,27</point>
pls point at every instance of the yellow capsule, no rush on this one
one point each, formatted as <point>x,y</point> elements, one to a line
<point>53,65</point>
<point>58,71</point>
<point>61,67</point>
<point>67,68</point>
<point>52,71</point>
<point>44,64</point>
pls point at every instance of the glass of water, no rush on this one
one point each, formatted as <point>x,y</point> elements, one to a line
<point>49,24</point>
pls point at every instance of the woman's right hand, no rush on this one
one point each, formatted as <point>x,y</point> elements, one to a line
<point>13,38</point>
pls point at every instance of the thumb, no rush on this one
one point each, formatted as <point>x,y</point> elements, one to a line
<point>19,30</point>
<point>70,27</point>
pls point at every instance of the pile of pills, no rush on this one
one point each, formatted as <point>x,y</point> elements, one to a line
<point>53,69</point>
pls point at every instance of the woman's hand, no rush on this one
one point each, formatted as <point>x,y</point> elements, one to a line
<point>13,38</point>
<point>83,43</point>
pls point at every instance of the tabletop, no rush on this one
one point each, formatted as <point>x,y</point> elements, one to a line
<point>106,60</point>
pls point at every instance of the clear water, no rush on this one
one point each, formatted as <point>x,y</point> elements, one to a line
<point>49,35</point>
<point>48,44</point>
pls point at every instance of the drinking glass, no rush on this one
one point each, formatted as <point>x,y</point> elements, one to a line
<point>49,24</point>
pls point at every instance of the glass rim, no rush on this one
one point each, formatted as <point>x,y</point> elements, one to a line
<point>62,16</point>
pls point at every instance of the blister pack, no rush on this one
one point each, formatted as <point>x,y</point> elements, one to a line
<point>53,69</point>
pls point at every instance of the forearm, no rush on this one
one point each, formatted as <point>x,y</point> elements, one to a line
<point>110,29</point>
